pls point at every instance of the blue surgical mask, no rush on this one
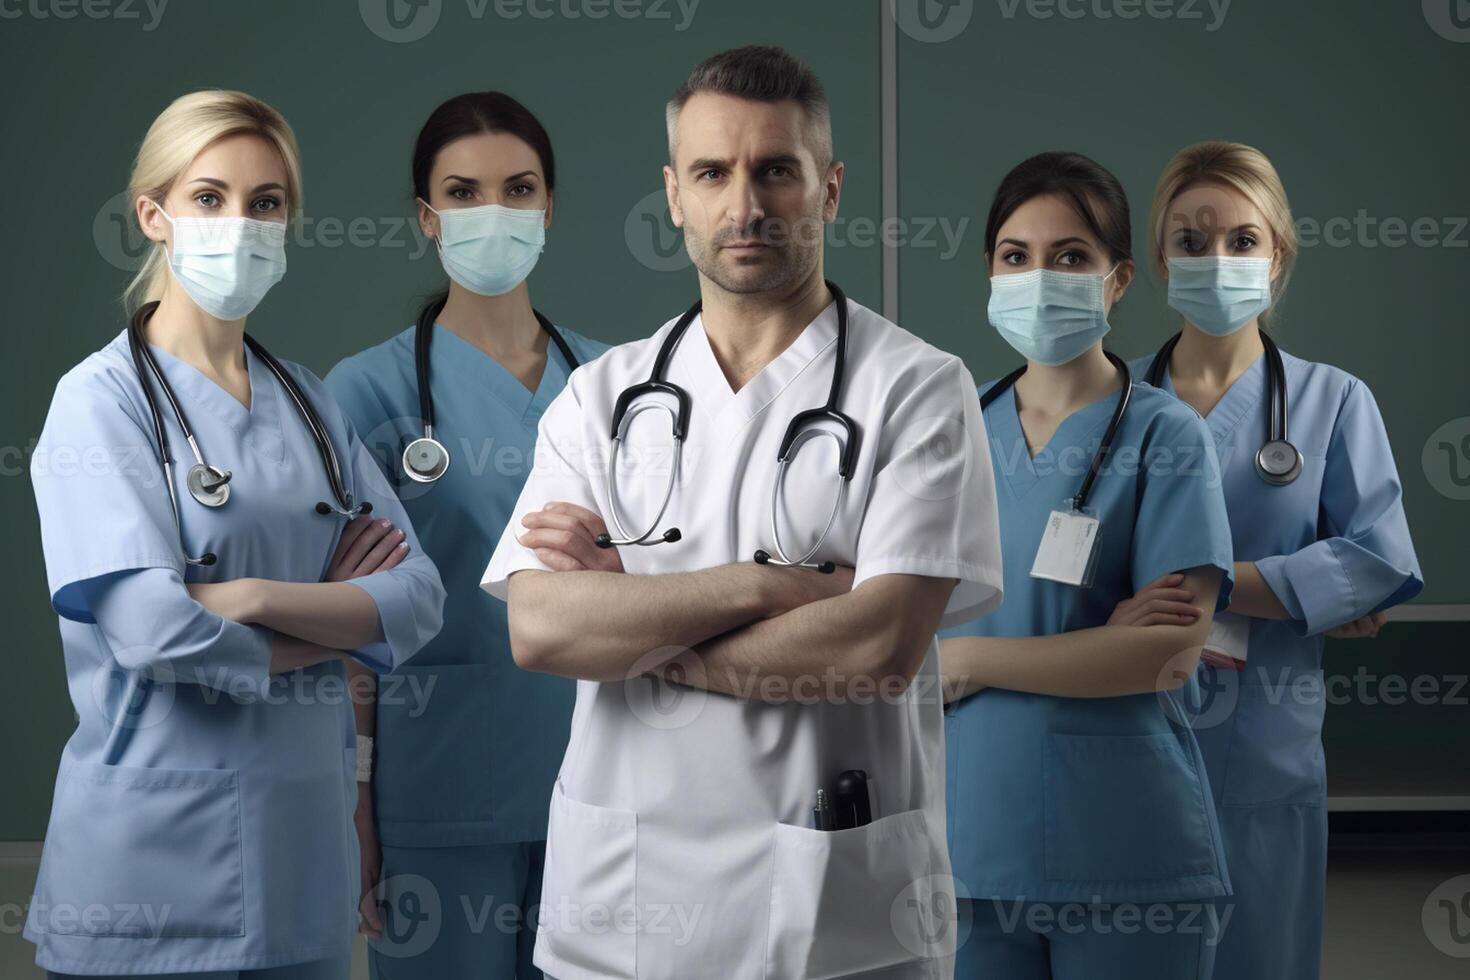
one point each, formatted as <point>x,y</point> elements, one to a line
<point>1049,317</point>
<point>1220,293</point>
<point>227,265</point>
<point>490,249</point>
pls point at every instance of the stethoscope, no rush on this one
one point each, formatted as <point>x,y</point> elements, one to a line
<point>426,458</point>
<point>210,485</point>
<point>1278,462</point>
<point>625,409</point>
<point>1079,501</point>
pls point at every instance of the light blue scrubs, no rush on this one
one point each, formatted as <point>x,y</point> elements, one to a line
<point>1333,546</point>
<point>463,777</point>
<point>1069,804</point>
<point>202,819</point>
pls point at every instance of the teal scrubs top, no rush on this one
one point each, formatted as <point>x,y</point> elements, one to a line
<point>1089,799</point>
<point>468,744</point>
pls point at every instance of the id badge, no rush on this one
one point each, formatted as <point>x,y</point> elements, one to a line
<point>1069,547</point>
<point>1228,642</point>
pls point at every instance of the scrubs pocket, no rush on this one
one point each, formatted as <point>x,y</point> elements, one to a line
<point>1124,808</point>
<point>589,896</point>
<point>433,769</point>
<point>849,901</point>
<point>1276,747</point>
<point>143,853</point>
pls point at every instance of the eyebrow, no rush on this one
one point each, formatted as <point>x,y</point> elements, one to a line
<point>222,185</point>
<point>463,180</point>
<point>1071,240</point>
<point>710,163</point>
<point>1248,226</point>
<point>520,176</point>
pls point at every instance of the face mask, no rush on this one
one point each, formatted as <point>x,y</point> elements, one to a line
<point>491,249</point>
<point>1219,293</point>
<point>227,265</point>
<point>1049,317</point>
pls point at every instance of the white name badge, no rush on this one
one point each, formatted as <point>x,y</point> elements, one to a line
<point>1228,642</point>
<point>1068,549</point>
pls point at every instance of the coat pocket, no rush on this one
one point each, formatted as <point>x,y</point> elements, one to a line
<point>852,900</point>
<point>143,853</point>
<point>1124,808</point>
<point>589,912</point>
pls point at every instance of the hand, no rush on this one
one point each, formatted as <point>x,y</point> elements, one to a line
<point>1364,627</point>
<point>1160,603</point>
<point>563,537</point>
<point>368,545</point>
<point>372,862</point>
<point>235,599</point>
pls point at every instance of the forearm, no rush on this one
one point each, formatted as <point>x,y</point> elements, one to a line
<point>604,625</point>
<point>363,685</point>
<point>1253,595</point>
<point>864,643</point>
<point>338,615</point>
<point>1101,662</point>
<point>290,653</point>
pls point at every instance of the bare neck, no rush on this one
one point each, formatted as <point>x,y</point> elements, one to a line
<point>1061,389</point>
<point>504,326</point>
<point>749,330</point>
<point>178,326</point>
<point>1207,361</point>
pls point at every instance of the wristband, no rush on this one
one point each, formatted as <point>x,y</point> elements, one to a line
<point>364,758</point>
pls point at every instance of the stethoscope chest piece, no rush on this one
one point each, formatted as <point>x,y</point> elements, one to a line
<point>425,459</point>
<point>1278,462</point>
<point>208,484</point>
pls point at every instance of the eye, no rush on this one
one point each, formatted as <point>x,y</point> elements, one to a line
<point>710,174</point>
<point>1244,243</point>
<point>1190,244</point>
<point>1013,257</point>
<point>265,205</point>
<point>207,199</point>
<point>779,170</point>
<point>520,190</point>
<point>1072,257</point>
<point>461,193</point>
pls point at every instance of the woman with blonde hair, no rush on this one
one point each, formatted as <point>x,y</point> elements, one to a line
<point>1320,539</point>
<point>203,519</point>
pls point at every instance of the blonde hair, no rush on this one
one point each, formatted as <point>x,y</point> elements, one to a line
<point>1246,170</point>
<point>180,133</point>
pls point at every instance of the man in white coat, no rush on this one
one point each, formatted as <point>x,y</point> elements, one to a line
<point>718,687</point>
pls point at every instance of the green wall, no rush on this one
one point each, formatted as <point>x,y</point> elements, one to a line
<point>1358,109</point>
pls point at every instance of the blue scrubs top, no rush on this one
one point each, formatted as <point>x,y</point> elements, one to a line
<point>469,744</point>
<point>1089,799</point>
<point>202,818</point>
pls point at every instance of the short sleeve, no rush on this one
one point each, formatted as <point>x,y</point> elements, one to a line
<point>1365,560</point>
<point>931,508</point>
<point>559,472</point>
<point>100,491</point>
<point>1181,522</point>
